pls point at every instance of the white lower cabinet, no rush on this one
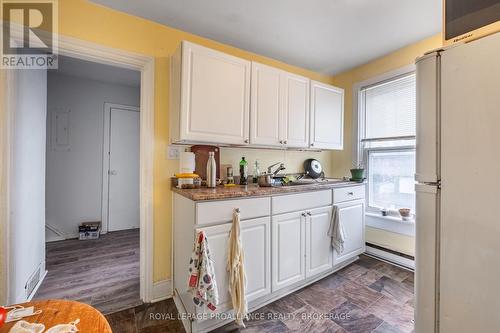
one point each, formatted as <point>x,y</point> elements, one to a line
<point>319,251</point>
<point>352,218</point>
<point>288,249</point>
<point>256,240</point>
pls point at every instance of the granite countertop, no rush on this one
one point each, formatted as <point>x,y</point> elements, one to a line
<point>238,191</point>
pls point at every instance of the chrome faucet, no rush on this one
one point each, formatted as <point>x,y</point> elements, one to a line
<point>270,168</point>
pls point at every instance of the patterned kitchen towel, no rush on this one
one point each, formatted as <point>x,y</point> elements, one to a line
<point>336,231</point>
<point>202,284</point>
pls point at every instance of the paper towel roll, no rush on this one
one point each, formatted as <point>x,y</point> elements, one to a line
<point>187,162</point>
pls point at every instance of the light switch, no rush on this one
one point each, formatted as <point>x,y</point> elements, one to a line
<point>173,152</point>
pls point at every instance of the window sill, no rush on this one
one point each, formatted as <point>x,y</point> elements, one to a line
<point>390,223</point>
<point>391,218</point>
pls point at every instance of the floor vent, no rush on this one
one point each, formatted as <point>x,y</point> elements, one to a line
<point>32,282</point>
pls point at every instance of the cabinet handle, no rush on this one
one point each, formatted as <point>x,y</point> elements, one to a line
<point>303,214</point>
<point>350,193</point>
<point>246,140</point>
<point>281,141</point>
<point>285,142</point>
<point>309,213</point>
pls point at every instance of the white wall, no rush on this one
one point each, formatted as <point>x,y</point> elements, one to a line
<point>74,176</point>
<point>27,235</point>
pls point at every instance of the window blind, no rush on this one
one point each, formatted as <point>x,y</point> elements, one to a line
<point>390,108</point>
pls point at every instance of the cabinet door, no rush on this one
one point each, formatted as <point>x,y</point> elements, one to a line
<point>352,218</point>
<point>218,237</point>
<point>215,100</point>
<point>295,106</point>
<point>319,252</point>
<point>288,249</point>
<point>327,116</point>
<point>256,240</point>
<point>265,112</point>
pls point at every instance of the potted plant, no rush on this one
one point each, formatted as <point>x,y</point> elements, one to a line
<point>358,172</point>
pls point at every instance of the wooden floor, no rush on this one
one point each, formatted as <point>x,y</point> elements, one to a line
<point>103,273</point>
<point>368,296</point>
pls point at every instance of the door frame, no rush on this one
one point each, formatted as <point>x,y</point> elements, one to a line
<point>76,48</point>
<point>105,158</point>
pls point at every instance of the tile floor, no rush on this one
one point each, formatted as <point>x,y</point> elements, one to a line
<point>366,296</point>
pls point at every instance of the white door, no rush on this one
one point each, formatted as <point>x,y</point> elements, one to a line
<point>288,249</point>
<point>352,218</point>
<point>256,240</point>
<point>215,96</point>
<point>295,105</point>
<point>265,112</point>
<point>327,116</point>
<point>319,254</point>
<point>123,197</point>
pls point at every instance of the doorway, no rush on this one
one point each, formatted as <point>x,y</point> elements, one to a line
<point>92,150</point>
<point>33,275</point>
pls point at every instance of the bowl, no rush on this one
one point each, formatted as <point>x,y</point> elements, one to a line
<point>405,212</point>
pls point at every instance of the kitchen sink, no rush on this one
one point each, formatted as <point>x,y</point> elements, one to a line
<point>309,181</point>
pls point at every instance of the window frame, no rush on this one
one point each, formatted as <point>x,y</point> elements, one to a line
<point>360,154</point>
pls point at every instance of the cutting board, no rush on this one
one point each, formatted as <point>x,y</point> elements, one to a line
<point>201,159</point>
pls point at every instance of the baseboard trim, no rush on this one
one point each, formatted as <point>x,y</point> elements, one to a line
<point>390,257</point>
<point>161,290</point>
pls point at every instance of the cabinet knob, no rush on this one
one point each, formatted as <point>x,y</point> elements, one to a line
<point>285,142</point>
<point>312,144</point>
<point>309,213</point>
<point>303,214</point>
<point>246,140</point>
<point>281,141</point>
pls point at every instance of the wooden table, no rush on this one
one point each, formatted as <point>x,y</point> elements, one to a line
<point>56,312</point>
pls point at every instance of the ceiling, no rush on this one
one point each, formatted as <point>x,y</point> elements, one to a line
<point>327,36</point>
<point>98,72</point>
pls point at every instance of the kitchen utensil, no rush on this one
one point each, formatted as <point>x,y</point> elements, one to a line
<point>265,180</point>
<point>201,159</point>
<point>313,168</point>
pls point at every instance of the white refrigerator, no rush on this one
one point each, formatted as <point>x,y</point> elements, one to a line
<point>457,277</point>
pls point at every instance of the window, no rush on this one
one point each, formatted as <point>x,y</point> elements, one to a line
<point>386,146</point>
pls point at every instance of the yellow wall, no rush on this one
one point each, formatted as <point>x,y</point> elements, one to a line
<point>342,160</point>
<point>390,240</point>
<point>90,22</point>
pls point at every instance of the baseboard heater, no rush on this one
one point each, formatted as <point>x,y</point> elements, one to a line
<point>391,256</point>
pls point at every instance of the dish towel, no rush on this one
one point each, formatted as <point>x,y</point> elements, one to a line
<point>336,231</point>
<point>202,283</point>
<point>236,271</point>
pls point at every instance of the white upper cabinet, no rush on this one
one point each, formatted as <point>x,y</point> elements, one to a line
<point>327,116</point>
<point>295,106</point>
<point>265,114</point>
<point>210,96</point>
<point>279,108</point>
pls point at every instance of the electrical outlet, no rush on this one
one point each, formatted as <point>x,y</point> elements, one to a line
<point>173,152</point>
